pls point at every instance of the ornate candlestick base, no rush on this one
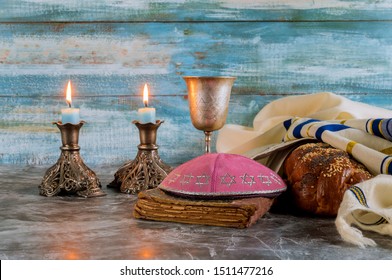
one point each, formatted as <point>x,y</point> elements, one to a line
<point>70,175</point>
<point>147,170</point>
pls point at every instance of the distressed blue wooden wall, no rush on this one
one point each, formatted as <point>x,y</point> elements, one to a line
<point>110,48</point>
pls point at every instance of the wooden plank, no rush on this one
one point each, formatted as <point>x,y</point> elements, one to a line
<point>198,10</point>
<point>267,58</point>
<point>109,138</point>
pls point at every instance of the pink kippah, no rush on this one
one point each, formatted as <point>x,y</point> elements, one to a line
<point>220,175</point>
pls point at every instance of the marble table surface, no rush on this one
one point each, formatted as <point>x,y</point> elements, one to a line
<point>33,227</point>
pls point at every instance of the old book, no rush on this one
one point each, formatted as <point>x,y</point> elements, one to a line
<point>155,204</point>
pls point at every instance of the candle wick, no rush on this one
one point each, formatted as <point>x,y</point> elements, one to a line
<point>145,104</point>
<point>69,105</point>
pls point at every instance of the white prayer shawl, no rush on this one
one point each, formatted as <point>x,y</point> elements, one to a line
<point>365,143</point>
<point>362,130</point>
<point>368,206</point>
<point>268,125</point>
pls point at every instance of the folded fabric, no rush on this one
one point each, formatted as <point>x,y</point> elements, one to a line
<point>368,206</point>
<point>268,125</point>
<point>379,127</point>
<point>155,204</point>
<point>367,146</point>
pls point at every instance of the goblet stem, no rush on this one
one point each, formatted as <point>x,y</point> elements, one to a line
<point>207,141</point>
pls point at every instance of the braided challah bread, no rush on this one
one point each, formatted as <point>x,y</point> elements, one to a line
<point>318,175</point>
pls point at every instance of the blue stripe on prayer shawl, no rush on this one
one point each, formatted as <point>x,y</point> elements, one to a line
<point>366,126</point>
<point>387,130</point>
<point>389,167</point>
<point>359,195</point>
<point>382,164</point>
<point>381,221</point>
<point>329,127</point>
<point>376,128</point>
<point>297,129</point>
<point>287,123</point>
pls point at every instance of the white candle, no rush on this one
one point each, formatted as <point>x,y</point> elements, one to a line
<point>69,115</point>
<point>146,114</point>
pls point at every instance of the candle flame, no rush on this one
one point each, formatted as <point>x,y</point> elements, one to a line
<point>69,94</point>
<point>145,95</point>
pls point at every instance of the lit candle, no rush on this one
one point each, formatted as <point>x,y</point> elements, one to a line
<point>69,115</point>
<point>146,114</point>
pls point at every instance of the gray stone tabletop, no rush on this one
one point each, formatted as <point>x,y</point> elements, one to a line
<point>34,227</point>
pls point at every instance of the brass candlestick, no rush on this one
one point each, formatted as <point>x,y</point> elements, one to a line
<point>70,175</point>
<point>147,170</point>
